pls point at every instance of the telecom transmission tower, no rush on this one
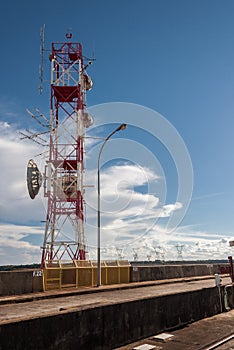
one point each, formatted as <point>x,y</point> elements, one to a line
<point>63,177</point>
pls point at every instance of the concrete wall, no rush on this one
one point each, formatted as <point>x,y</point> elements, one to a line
<point>110,326</point>
<point>29,281</point>
<point>159,272</point>
<point>20,282</point>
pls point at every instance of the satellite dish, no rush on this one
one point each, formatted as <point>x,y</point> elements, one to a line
<point>34,179</point>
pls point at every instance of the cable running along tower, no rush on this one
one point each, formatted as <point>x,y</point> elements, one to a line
<point>63,177</point>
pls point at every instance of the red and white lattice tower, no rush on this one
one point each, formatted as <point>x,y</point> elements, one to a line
<point>64,231</point>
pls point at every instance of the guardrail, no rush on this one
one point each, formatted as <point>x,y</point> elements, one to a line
<point>83,273</point>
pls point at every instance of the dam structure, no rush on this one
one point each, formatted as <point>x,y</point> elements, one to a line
<point>114,315</point>
<point>62,304</point>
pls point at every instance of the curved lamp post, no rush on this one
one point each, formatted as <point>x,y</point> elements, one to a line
<point>121,127</point>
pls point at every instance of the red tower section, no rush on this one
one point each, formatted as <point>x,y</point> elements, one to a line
<point>64,231</point>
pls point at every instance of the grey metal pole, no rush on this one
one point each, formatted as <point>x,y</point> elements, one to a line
<point>121,127</point>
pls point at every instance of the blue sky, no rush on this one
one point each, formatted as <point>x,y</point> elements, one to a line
<point>175,57</point>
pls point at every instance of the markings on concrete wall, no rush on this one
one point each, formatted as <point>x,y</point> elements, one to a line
<point>38,273</point>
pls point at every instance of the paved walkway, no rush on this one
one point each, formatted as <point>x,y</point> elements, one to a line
<point>24,307</point>
<point>196,336</point>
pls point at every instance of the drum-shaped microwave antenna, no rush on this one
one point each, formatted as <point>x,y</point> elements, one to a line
<point>87,120</point>
<point>34,179</point>
<point>87,82</point>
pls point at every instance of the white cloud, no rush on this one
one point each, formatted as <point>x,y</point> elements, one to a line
<point>15,204</point>
<point>169,208</point>
<point>128,209</point>
<point>15,249</point>
<point>158,244</point>
<point>4,126</point>
<point>130,212</point>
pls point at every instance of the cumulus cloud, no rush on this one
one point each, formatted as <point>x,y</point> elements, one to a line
<point>15,247</point>
<point>17,211</point>
<point>15,204</point>
<point>4,126</point>
<point>128,209</point>
<point>169,208</point>
<point>159,245</point>
<point>131,210</point>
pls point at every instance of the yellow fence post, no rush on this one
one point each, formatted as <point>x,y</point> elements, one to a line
<point>92,272</point>
<point>45,278</point>
<point>77,274</point>
<point>106,268</point>
<point>118,267</point>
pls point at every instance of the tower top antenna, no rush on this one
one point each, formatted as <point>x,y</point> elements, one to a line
<point>41,66</point>
<point>69,34</point>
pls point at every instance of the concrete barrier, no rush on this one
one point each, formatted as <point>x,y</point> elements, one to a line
<point>21,282</point>
<point>109,326</point>
<point>18,282</point>
<point>159,272</point>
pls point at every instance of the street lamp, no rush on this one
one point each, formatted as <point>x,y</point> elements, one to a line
<point>121,127</point>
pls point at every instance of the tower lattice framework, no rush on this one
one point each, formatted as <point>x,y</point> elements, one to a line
<point>64,230</point>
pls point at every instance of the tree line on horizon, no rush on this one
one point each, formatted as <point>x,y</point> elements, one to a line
<point>172,262</point>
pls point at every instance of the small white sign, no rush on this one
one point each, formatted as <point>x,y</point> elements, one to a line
<point>37,273</point>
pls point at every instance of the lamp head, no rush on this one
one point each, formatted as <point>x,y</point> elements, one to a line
<point>122,127</point>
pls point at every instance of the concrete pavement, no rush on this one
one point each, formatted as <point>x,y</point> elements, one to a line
<point>105,317</point>
<point>13,309</point>
<point>195,336</point>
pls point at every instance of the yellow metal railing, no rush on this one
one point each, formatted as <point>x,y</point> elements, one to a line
<point>83,273</point>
